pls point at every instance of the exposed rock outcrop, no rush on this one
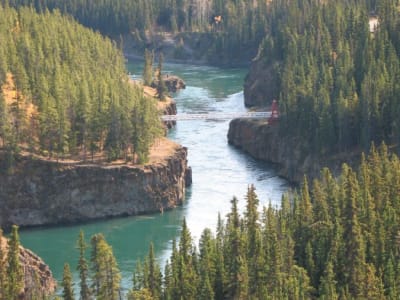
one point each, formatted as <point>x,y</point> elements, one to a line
<point>41,192</point>
<point>173,83</point>
<point>38,279</point>
<point>263,141</point>
<point>261,84</point>
<point>168,107</point>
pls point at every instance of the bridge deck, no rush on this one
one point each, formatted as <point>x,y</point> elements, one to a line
<point>217,116</point>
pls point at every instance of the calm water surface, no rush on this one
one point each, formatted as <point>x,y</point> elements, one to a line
<point>219,172</point>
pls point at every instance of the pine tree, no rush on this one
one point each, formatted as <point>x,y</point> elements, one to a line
<point>67,284</point>
<point>207,269</point>
<point>83,269</point>
<point>253,236</point>
<point>153,282</point>
<point>148,67</point>
<point>162,90</point>
<point>355,252</point>
<point>3,269</point>
<point>185,242</point>
<point>106,275</point>
<point>235,254</point>
<point>5,129</point>
<point>327,288</point>
<point>15,280</point>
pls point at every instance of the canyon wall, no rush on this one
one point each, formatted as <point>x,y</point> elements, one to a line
<point>40,192</point>
<point>263,141</point>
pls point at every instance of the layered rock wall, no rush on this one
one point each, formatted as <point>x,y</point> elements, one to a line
<point>41,192</point>
<point>263,141</point>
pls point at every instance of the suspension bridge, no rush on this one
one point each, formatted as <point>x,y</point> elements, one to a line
<point>272,115</point>
<point>217,116</point>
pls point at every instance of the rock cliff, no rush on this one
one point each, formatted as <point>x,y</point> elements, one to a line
<point>41,192</point>
<point>38,279</point>
<point>261,84</point>
<point>263,141</point>
<point>173,83</point>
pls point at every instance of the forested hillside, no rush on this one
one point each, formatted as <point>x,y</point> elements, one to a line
<point>334,239</point>
<point>234,28</point>
<point>65,91</point>
<point>337,76</point>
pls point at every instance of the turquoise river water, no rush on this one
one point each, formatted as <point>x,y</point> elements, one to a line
<point>220,172</point>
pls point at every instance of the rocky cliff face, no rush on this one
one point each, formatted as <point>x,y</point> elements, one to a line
<point>43,192</point>
<point>168,108</point>
<point>38,279</point>
<point>261,84</point>
<point>262,141</point>
<point>172,82</point>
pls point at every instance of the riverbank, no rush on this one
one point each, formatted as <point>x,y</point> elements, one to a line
<point>45,192</point>
<point>263,141</point>
<point>49,191</point>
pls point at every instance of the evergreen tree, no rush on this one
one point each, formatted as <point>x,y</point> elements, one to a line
<point>15,279</point>
<point>154,278</point>
<point>327,289</point>
<point>148,68</point>
<point>68,291</point>
<point>3,269</point>
<point>106,276</point>
<point>162,90</point>
<point>83,268</point>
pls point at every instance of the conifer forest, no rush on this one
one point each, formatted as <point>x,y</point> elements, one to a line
<point>65,93</point>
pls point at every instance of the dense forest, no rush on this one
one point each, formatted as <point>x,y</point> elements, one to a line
<point>234,28</point>
<point>65,91</point>
<point>333,239</point>
<point>339,78</point>
<point>339,87</point>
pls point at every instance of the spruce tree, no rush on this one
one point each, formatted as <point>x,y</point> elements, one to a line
<point>148,67</point>
<point>327,288</point>
<point>162,90</point>
<point>3,269</point>
<point>15,276</point>
<point>67,284</point>
<point>106,276</point>
<point>83,268</point>
<point>207,268</point>
<point>154,277</point>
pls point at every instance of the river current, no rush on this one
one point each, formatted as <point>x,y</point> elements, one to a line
<point>220,172</point>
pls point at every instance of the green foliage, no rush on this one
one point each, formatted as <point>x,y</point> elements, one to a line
<point>314,246</point>
<point>232,38</point>
<point>83,268</point>
<point>348,227</point>
<point>162,90</point>
<point>3,278</point>
<point>68,291</point>
<point>15,279</point>
<point>148,67</point>
<point>338,82</point>
<point>72,91</point>
<point>106,276</point>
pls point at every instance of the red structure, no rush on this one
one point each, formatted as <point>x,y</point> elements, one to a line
<point>274,112</point>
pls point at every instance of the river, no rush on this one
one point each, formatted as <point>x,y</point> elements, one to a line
<point>220,172</point>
